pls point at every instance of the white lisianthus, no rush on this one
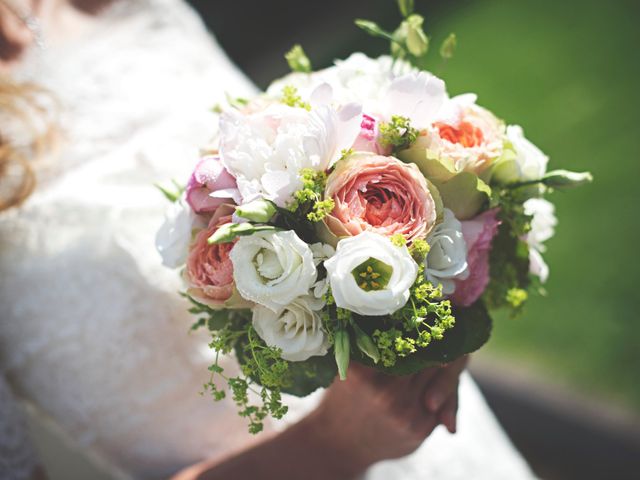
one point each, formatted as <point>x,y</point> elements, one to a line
<point>369,275</point>
<point>266,151</point>
<point>174,235</point>
<point>542,229</point>
<point>296,328</point>
<point>529,162</point>
<point>447,258</point>
<point>272,268</point>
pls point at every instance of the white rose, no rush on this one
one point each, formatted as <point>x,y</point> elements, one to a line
<point>174,235</point>
<point>542,229</point>
<point>370,275</point>
<point>296,328</point>
<point>272,268</point>
<point>529,163</point>
<point>447,258</point>
<point>266,151</point>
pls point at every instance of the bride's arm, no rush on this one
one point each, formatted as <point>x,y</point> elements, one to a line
<point>366,419</point>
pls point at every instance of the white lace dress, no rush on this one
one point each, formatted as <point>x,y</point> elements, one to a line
<point>92,332</point>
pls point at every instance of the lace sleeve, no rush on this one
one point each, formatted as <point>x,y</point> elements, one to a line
<point>17,456</point>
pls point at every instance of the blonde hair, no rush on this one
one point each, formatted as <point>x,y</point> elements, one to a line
<point>27,132</point>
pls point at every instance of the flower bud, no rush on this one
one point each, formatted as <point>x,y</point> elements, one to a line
<point>566,179</point>
<point>298,60</point>
<point>448,46</point>
<point>260,211</point>
<point>229,232</point>
<point>417,41</point>
<point>366,345</point>
<point>341,349</point>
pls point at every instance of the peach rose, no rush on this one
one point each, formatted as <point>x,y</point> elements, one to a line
<point>209,271</point>
<point>382,195</point>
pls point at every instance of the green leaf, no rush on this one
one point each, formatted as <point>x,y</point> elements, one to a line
<point>406,7</point>
<point>172,193</point>
<point>306,377</point>
<point>465,194</point>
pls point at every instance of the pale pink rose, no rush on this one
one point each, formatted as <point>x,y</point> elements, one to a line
<point>379,194</point>
<point>210,186</point>
<point>478,235</point>
<point>367,140</point>
<point>209,271</point>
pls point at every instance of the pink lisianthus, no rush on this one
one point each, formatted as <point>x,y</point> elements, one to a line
<point>478,235</point>
<point>381,195</point>
<point>367,140</point>
<point>209,271</point>
<point>210,186</point>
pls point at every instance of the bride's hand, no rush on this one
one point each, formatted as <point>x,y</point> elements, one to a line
<point>373,416</point>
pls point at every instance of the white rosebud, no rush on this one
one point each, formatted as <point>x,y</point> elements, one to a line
<point>174,235</point>
<point>296,328</point>
<point>447,258</point>
<point>272,268</point>
<point>542,229</point>
<point>369,275</point>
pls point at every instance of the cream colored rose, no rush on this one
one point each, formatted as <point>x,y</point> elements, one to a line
<point>296,329</point>
<point>272,268</point>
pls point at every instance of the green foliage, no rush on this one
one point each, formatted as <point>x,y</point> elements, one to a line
<point>291,98</point>
<point>298,60</point>
<point>398,133</point>
<point>309,200</point>
<point>172,192</point>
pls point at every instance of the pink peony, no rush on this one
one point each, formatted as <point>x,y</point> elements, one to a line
<point>367,140</point>
<point>379,194</point>
<point>210,186</point>
<point>209,271</point>
<point>478,234</point>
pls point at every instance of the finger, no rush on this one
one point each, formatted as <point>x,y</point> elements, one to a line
<point>449,412</point>
<point>443,385</point>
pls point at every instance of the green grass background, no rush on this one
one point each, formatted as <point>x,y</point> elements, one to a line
<point>568,72</point>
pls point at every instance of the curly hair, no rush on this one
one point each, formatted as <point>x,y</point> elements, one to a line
<point>27,132</point>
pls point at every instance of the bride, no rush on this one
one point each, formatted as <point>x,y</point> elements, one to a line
<point>93,336</point>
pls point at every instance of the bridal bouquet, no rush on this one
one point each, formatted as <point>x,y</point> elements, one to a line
<point>357,213</point>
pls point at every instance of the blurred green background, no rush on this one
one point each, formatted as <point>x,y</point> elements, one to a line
<point>568,72</point>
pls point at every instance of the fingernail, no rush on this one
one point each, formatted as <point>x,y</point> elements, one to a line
<point>434,402</point>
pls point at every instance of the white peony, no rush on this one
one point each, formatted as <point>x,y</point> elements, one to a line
<point>296,328</point>
<point>272,268</point>
<point>370,275</point>
<point>358,78</point>
<point>447,258</point>
<point>543,226</point>
<point>174,235</point>
<point>529,162</point>
<point>266,151</point>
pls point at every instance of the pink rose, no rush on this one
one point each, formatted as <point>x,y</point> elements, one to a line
<point>210,186</point>
<point>478,234</point>
<point>209,271</point>
<point>367,140</point>
<point>379,194</point>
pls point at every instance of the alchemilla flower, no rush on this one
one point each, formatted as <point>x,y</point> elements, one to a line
<point>296,329</point>
<point>370,275</point>
<point>266,151</point>
<point>447,257</point>
<point>272,268</point>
